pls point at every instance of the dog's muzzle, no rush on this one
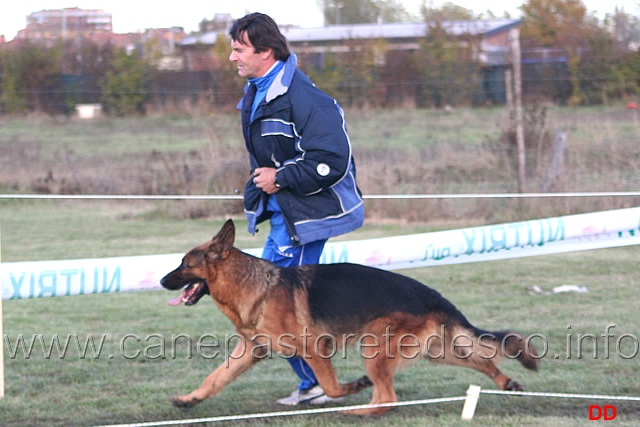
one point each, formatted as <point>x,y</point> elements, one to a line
<point>192,290</point>
<point>191,294</point>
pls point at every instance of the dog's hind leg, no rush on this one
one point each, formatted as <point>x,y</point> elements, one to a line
<point>461,352</point>
<point>380,370</point>
<point>488,368</point>
<point>326,375</point>
<point>240,360</point>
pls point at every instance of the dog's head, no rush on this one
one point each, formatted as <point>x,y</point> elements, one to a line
<point>198,268</point>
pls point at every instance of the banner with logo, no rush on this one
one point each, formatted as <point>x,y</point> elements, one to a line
<point>547,236</point>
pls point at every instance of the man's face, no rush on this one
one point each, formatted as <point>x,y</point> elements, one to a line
<point>250,64</point>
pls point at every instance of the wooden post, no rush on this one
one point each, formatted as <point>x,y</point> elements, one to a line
<point>556,164</point>
<point>508,82</point>
<point>514,37</point>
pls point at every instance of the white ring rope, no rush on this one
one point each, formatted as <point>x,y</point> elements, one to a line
<point>370,196</point>
<point>560,395</point>
<point>382,405</point>
<point>288,413</point>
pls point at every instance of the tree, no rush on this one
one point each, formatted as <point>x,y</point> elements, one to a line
<point>553,23</point>
<point>624,27</point>
<point>350,77</point>
<point>628,75</point>
<point>10,100</point>
<point>338,12</point>
<point>125,86</point>
<point>219,22</point>
<point>560,24</point>
<point>448,67</point>
<point>84,56</point>
<point>448,12</point>
<point>30,75</point>
<point>34,77</point>
<point>328,77</point>
<point>83,63</point>
<point>599,71</point>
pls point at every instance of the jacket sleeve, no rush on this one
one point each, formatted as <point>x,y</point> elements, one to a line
<point>325,152</point>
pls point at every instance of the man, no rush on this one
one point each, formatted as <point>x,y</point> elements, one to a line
<point>303,177</point>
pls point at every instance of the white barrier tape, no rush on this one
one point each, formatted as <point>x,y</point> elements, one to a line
<point>494,242</point>
<point>519,239</point>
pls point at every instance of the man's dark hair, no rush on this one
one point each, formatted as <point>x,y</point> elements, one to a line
<point>263,33</point>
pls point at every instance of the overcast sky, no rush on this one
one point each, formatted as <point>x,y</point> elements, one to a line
<point>135,15</point>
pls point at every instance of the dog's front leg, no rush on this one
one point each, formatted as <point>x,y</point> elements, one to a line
<point>241,359</point>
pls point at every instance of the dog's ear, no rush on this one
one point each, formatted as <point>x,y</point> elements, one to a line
<point>225,238</point>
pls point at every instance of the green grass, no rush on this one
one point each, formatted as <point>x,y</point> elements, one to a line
<point>55,391</point>
<point>400,129</point>
<point>87,139</point>
<point>446,153</point>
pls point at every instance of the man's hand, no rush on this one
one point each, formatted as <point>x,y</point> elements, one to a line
<point>265,179</point>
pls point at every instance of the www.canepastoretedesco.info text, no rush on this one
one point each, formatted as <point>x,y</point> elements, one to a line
<point>604,345</point>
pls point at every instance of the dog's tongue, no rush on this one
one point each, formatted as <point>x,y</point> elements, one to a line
<point>177,301</point>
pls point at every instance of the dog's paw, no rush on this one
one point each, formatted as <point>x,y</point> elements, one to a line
<point>180,402</point>
<point>363,382</point>
<point>511,385</point>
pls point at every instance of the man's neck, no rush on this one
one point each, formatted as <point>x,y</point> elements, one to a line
<point>273,64</point>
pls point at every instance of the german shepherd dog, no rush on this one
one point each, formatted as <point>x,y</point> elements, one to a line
<point>311,310</point>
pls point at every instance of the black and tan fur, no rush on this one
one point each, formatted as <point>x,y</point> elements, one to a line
<point>266,302</point>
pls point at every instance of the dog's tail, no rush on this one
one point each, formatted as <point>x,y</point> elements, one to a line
<point>510,345</point>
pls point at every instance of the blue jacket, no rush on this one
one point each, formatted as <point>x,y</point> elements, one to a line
<point>301,131</point>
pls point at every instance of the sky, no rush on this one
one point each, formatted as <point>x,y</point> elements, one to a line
<point>136,15</point>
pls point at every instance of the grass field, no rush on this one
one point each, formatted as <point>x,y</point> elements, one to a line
<point>146,366</point>
<point>403,151</point>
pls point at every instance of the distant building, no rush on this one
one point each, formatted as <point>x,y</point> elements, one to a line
<point>493,35</point>
<point>65,24</point>
<point>48,27</point>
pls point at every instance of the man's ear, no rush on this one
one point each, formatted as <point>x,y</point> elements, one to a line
<point>267,53</point>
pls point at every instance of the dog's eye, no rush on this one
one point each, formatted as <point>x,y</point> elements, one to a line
<point>185,266</point>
